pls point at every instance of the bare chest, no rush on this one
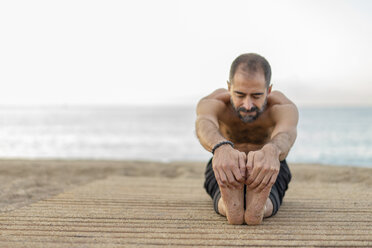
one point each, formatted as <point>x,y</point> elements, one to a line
<point>246,136</point>
<point>256,135</point>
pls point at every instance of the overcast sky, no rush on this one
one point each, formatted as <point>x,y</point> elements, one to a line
<point>175,52</point>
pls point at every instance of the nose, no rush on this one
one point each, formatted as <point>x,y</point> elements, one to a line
<point>248,104</point>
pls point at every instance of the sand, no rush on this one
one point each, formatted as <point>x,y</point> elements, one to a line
<point>77,203</point>
<point>25,181</point>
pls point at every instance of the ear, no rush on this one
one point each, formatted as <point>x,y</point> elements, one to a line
<point>228,85</point>
<point>269,89</point>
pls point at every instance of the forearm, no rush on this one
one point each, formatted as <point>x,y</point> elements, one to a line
<point>280,144</point>
<point>208,133</point>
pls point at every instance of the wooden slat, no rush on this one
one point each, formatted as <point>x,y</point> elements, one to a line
<point>142,211</point>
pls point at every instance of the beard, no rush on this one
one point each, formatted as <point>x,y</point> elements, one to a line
<point>249,118</point>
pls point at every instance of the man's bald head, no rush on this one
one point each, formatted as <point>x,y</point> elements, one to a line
<point>251,63</point>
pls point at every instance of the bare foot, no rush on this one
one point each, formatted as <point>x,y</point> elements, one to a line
<point>255,206</point>
<point>231,205</point>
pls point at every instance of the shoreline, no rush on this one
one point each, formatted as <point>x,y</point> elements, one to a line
<point>51,159</point>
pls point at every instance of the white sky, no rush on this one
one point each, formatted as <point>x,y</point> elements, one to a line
<point>175,52</point>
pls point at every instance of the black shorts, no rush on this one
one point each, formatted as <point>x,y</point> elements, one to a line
<point>276,194</point>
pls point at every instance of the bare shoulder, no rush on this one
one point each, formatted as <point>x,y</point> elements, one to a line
<point>278,98</point>
<point>214,103</point>
<point>281,107</point>
<point>219,94</point>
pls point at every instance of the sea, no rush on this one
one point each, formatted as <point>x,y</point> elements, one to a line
<point>326,135</point>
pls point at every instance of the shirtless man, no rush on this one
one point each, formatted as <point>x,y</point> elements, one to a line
<point>250,130</point>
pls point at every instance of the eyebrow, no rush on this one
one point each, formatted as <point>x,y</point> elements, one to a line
<point>242,93</point>
<point>238,92</point>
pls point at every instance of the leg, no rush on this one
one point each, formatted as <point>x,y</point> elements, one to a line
<point>268,208</point>
<point>231,205</point>
<point>256,204</point>
<point>280,187</point>
<point>227,202</point>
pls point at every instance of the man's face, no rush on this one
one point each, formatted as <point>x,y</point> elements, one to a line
<point>248,94</point>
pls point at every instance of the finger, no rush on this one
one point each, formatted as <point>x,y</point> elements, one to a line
<point>237,175</point>
<point>258,166</point>
<point>231,179</point>
<point>274,171</point>
<point>258,179</point>
<point>250,158</point>
<point>223,179</point>
<point>218,178</point>
<point>249,164</point>
<point>242,166</point>
<point>272,180</point>
<point>255,172</point>
<point>236,170</point>
<point>264,183</point>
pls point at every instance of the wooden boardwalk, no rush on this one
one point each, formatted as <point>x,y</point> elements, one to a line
<point>134,211</point>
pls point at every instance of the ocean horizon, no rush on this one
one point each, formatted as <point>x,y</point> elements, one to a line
<point>326,135</point>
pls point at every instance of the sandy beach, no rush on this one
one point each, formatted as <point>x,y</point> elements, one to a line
<point>147,202</point>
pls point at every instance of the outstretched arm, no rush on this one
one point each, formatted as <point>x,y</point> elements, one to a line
<point>285,131</point>
<point>228,163</point>
<point>207,127</point>
<point>263,165</point>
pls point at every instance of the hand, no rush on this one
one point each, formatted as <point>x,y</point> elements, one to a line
<point>262,168</point>
<point>229,167</point>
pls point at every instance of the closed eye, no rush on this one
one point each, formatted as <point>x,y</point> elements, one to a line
<point>239,94</point>
<point>257,95</point>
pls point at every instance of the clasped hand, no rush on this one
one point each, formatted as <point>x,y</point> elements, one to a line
<point>233,168</point>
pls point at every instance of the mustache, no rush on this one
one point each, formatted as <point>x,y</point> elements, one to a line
<point>253,109</point>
